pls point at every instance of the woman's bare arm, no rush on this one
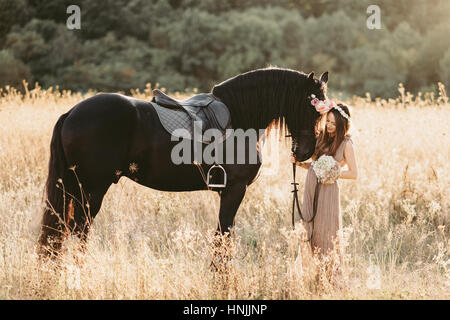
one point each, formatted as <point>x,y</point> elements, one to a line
<point>350,159</point>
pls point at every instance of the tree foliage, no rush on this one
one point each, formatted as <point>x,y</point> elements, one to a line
<point>124,44</point>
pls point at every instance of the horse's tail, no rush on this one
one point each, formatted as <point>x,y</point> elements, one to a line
<point>58,180</point>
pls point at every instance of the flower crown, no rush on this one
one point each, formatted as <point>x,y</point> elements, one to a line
<point>324,106</point>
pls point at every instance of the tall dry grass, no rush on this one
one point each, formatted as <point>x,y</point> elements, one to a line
<point>147,244</point>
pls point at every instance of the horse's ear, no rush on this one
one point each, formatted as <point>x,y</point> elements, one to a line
<point>324,77</point>
<point>311,75</point>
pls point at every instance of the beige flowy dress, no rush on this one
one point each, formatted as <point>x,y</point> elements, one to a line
<point>328,219</point>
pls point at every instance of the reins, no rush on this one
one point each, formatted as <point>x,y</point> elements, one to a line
<point>296,203</point>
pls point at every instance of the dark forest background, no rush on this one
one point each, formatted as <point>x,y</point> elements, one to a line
<point>181,44</point>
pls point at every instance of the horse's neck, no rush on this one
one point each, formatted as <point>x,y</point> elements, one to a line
<point>257,116</point>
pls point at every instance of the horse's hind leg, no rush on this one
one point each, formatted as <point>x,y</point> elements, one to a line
<point>86,209</point>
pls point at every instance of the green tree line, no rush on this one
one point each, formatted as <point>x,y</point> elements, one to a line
<point>124,44</point>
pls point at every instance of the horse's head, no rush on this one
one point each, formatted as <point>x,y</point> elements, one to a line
<point>303,136</point>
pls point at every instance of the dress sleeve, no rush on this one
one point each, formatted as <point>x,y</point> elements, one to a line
<point>349,139</point>
<point>340,151</point>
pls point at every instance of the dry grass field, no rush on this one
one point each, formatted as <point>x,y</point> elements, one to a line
<point>148,244</point>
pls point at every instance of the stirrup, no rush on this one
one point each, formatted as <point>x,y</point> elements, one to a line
<point>216,167</point>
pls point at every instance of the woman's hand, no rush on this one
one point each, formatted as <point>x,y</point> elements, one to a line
<point>293,158</point>
<point>300,164</point>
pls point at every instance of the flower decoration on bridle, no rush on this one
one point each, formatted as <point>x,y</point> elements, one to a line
<point>324,106</point>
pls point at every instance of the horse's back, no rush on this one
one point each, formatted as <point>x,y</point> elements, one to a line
<point>106,105</point>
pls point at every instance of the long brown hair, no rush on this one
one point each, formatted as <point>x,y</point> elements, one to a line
<point>325,143</point>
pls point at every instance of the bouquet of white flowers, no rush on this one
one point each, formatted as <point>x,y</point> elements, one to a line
<point>327,169</point>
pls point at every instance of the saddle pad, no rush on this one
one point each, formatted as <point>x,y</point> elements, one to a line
<point>173,119</point>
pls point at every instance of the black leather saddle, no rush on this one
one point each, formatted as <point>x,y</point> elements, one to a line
<point>204,107</point>
<point>199,100</point>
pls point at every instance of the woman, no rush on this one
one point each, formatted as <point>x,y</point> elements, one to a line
<point>334,140</point>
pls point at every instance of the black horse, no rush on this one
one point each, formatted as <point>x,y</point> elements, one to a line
<point>110,135</point>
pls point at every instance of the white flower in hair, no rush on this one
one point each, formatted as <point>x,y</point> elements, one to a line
<point>324,106</point>
<point>341,111</point>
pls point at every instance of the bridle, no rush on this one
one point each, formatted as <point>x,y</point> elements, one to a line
<point>295,201</point>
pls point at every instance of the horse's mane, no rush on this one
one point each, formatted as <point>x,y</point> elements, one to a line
<point>268,97</point>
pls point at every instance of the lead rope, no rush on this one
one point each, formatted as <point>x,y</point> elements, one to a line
<point>295,203</point>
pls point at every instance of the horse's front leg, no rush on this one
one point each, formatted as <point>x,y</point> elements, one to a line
<point>230,199</point>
